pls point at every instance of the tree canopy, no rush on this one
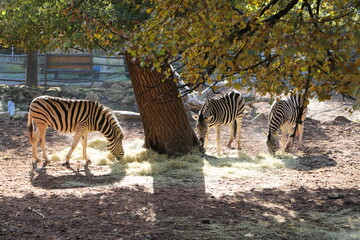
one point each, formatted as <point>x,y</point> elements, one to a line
<point>272,46</point>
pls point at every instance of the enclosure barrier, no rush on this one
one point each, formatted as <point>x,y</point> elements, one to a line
<point>64,68</point>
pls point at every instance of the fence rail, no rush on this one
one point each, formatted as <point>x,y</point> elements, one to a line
<point>67,68</point>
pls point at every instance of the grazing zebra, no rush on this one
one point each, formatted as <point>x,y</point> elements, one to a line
<point>224,110</point>
<point>79,116</point>
<point>283,115</point>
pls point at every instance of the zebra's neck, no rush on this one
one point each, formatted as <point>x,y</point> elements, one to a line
<point>106,123</point>
<point>273,132</point>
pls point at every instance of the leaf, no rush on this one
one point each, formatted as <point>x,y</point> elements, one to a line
<point>237,85</point>
<point>97,35</point>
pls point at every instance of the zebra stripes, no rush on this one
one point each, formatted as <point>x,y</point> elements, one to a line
<point>224,110</point>
<point>68,115</point>
<point>283,115</point>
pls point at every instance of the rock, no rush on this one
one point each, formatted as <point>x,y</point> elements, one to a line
<point>70,92</point>
<point>20,97</point>
<point>334,196</point>
<point>22,114</point>
<point>342,119</point>
<point>117,87</point>
<point>53,91</point>
<point>128,100</point>
<point>205,221</point>
<point>4,115</point>
<point>115,96</point>
<point>34,94</point>
<point>127,115</point>
<point>92,96</point>
<point>107,84</point>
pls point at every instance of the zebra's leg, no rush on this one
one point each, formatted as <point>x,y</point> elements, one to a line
<point>84,145</point>
<point>77,137</point>
<point>289,140</point>
<point>35,140</point>
<point>206,138</point>
<point>284,138</point>
<point>42,134</point>
<point>232,133</point>
<point>301,131</point>
<point>218,130</point>
<point>238,131</point>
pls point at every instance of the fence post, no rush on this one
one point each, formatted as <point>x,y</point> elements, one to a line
<point>92,70</point>
<point>45,68</point>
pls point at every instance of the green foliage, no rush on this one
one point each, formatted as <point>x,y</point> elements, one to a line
<point>30,25</point>
<point>273,41</point>
<point>280,44</point>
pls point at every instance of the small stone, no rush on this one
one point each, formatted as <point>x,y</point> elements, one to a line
<point>34,94</point>
<point>342,119</point>
<point>92,96</point>
<point>205,221</point>
<point>334,195</point>
<point>4,115</point>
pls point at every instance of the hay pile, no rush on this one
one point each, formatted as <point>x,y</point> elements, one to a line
<point>142,162</point>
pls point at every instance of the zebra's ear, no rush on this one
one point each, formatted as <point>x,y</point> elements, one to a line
<point>209,118</point>
<point>264,132</point>
<point>195,116</point>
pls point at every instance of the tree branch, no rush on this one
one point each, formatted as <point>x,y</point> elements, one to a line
<point>267,7</point>
<point>272,20</point>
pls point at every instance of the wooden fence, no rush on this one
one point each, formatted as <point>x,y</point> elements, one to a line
<point>64,68</point>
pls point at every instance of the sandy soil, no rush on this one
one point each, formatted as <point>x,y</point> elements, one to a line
<point>318,198</point>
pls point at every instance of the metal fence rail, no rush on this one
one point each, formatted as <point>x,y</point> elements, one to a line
<point>101,68</point>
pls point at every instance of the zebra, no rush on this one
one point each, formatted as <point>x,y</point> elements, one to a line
<point>70,115</point>
<point>284,115</point>
<point>224,110</point>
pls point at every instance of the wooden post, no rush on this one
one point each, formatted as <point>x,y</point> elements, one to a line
<point>92,71</point>
<point>45,69</point>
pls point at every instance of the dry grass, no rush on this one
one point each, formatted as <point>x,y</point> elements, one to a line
<point>142,162</point>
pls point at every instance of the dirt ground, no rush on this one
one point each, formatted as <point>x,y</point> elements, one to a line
<point>319,198</point>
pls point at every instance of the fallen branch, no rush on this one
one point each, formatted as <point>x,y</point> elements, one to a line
<point>37,212</point>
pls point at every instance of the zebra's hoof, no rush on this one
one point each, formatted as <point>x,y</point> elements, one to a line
<point>66,164</point>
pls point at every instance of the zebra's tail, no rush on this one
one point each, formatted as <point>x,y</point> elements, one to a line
<point>234,129</point>
<point>30,128</point>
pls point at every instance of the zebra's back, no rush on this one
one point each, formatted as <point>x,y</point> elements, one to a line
<point>224,109</point>
<point>64,114</point>
<point>285,111</point>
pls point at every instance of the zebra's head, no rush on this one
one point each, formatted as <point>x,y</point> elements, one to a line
<point>201,126</point>
<point>272,144</point>
<point>115,145</point>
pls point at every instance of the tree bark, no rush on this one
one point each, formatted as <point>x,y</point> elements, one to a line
<point>166,125</point>
<point>32,69</point>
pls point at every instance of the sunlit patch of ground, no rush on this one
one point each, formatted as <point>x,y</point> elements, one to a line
<point>142,162</point>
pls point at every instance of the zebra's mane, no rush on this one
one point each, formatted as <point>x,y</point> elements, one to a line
<point>108,112</point>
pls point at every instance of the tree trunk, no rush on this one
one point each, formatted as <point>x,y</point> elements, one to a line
<point>32,69</point>
<point>166,125</point>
